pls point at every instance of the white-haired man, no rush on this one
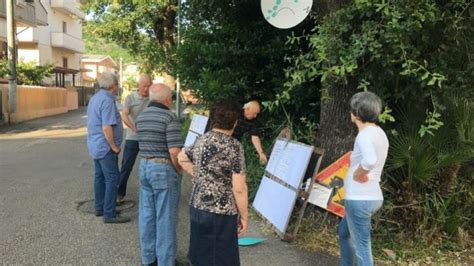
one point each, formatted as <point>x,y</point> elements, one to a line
<point>132,107</point>
<point>246,124</point>
<point>159,138</point>
<point>104,136</point>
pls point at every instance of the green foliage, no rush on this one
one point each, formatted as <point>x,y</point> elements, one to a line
<point>254,169</point>
<point>146,29</point>
<point>416,54</point>
<point>386,116</point>
<point>432,123</point>
<point>97,45</point>
<point>403,50</point>
<point>427,185</point>
<point>233,53</point>
<point>414,158</point>
<point>130,83</point>
<point>28,73</point>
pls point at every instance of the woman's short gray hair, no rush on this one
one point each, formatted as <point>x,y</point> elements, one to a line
<point>366,106</point>
<point>159,92</point>
<point>106,80</point>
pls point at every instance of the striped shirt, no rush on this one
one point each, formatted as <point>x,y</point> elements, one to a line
<point>158,129</point>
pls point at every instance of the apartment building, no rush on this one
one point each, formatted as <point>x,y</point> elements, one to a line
<point>58,42</point>
<point>28,13</point>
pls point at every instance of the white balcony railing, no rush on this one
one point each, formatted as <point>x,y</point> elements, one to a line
<point>66,41</point>
<point>24,13</point>
<point>29,35</point>
<point>41,14</point>
<point>27,14</point>
<point>70,7</point>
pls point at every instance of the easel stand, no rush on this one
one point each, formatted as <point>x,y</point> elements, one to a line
<point>311,167</point>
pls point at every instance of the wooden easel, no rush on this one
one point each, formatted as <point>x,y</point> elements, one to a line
<point>311,169</point>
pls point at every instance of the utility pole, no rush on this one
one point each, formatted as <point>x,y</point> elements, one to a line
<point>11,31</point>
<point>178,84</point>
<point>121,75</point>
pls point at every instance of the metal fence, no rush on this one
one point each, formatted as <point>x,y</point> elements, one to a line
<point>84,94</point>
<point>1,107</point>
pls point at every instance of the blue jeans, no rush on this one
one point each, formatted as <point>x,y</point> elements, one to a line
<point>160,187</point>
<point>130,152</point>
<point>105,184</point>
<point>354,231</point>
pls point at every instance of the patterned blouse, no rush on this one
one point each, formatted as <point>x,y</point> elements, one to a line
<point>215,157</point>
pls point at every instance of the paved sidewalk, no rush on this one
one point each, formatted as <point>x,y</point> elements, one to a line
<point>45,171</point>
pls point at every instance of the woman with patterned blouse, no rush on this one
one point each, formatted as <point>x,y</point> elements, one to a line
<point>219,201</point>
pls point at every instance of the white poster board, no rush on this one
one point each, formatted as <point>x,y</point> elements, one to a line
<point>198,124</point>
<point>275,202</point>
<point>278,191</point>
<point>191,138</point>
<point>288,161</point>
<point>196,129</point>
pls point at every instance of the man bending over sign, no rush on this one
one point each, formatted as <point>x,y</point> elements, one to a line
<point>246,124</point>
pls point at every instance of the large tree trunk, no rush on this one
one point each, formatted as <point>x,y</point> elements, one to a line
<point>336,132</point>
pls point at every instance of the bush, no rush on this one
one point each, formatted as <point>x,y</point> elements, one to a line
<point>28,73</point>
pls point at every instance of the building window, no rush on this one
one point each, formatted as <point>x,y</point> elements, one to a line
<point>3,50</point>
<point>64,27</point>
<point>65,62</point>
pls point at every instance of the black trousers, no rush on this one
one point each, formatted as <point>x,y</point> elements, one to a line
<point>214,239</point>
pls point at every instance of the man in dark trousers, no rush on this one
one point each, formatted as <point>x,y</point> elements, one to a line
<point>246,124</point>
<point>132,107</point>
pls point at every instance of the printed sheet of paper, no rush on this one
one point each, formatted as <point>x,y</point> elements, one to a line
<point>198,124</point>
<point>320,195</point>
<point>196,129</point>
<point>288,161</point>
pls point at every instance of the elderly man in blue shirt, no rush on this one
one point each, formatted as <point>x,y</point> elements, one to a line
<point>104,136</point>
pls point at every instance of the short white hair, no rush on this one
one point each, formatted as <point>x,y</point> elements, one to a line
<point>249,104</point>
<point>160,95</point>
<point>106,80</point>
<point>144,77</point>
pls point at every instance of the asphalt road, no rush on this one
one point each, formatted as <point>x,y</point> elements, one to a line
<point>45,172</point>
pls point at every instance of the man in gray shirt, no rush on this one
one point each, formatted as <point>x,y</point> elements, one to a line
<point>133,106</point>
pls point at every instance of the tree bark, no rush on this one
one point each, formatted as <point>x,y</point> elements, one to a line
<point>336,132</point>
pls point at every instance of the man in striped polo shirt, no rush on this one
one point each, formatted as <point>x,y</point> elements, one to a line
<point>159,138</point>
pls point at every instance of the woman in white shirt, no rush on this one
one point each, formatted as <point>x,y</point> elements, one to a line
<point>363,193</point>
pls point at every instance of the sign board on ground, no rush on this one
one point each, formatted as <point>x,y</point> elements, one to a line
<point>281,183</point>
<point>333,178</point>
<point>196,129</point>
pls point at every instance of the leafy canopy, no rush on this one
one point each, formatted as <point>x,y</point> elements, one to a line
<point>145,28</point>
